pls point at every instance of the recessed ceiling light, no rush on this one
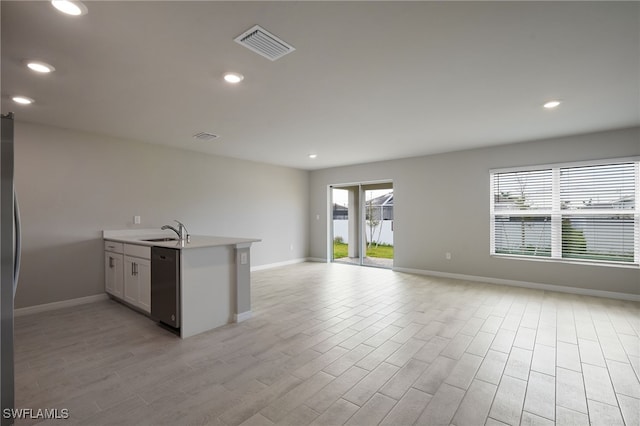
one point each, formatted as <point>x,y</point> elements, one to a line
<point>233,77</point>
<point>312,156</point>
<point>70,7</point>
<point>551,104</point>
<point>22,100</point>
<point>39,66</point>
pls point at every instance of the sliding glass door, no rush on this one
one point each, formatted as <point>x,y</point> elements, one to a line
<point>378,227</point>
<point>362,224</point>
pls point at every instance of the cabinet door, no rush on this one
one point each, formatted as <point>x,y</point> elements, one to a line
<point>113,273</point>
<point>108,272</point>
<point>118,286</point>
<point>131,287</point>
<point>143,272</point>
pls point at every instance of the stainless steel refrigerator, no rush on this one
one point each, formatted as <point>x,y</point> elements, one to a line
<point>9,267</point>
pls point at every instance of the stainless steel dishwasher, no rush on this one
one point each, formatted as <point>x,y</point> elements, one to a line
<point>165,286</point>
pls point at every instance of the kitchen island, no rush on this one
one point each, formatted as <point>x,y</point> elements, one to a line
<point>214,276</point>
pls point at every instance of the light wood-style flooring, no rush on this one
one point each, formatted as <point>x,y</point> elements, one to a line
<point>333,344</point>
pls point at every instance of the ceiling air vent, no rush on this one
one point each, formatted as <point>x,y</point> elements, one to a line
<point>204,136</point>
<point>264,43</point>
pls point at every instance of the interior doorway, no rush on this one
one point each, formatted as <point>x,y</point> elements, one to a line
<point>361,228</point>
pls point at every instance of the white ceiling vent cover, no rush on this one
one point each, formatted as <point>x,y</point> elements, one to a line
<point>264,43</point>
<point>204,136</point>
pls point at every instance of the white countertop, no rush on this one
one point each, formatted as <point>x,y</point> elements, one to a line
<point>132,236</point>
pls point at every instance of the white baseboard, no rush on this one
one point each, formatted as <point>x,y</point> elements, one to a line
<point>278,264</point>
<point>317,259</point>
<point>59,305</point>
<point>243,316</point>
<point>526,284</point>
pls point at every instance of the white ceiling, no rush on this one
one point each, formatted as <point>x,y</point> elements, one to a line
<point>368,81</point>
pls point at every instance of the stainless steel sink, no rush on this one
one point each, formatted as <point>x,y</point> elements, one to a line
<point>157,240</point>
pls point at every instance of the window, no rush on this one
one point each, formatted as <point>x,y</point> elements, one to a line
<point>582,211</point>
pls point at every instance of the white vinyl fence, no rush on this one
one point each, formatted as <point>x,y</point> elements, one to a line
<point>383,233</point>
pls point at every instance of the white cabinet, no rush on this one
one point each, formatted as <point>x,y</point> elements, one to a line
<point>114,273</point>
<point>113,268</point>
<point>137,282</point>
<point>128,273</point>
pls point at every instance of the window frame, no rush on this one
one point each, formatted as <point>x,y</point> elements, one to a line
<point>556,213</point>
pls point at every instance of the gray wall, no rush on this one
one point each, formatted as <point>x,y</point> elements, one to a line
<point>441,204</point>
<point>72,185</point>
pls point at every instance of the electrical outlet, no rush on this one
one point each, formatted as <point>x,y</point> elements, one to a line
<point>291,247</point>
<point>136,220</point>
<point>447,255</point>
<point>243,258</point>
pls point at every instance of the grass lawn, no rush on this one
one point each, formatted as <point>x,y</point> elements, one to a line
<point>340,250</point>
<point>384,252</point>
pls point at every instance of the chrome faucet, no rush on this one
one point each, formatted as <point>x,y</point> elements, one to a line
<point>181,232</point>
<point>172,228</point>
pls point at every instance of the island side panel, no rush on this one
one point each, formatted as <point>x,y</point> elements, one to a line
<point>243,276</point>
<point>207,289</point>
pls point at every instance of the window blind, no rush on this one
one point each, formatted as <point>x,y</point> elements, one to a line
<point>523,191</point>
<point>597,204</point>
<point>578,212</point>
<point>522,212</point>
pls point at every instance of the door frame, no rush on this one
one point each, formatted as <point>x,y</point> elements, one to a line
<point>362,187</point>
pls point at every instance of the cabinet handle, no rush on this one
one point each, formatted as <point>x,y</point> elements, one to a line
<point>110,262</point>
<point>133,269</point>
